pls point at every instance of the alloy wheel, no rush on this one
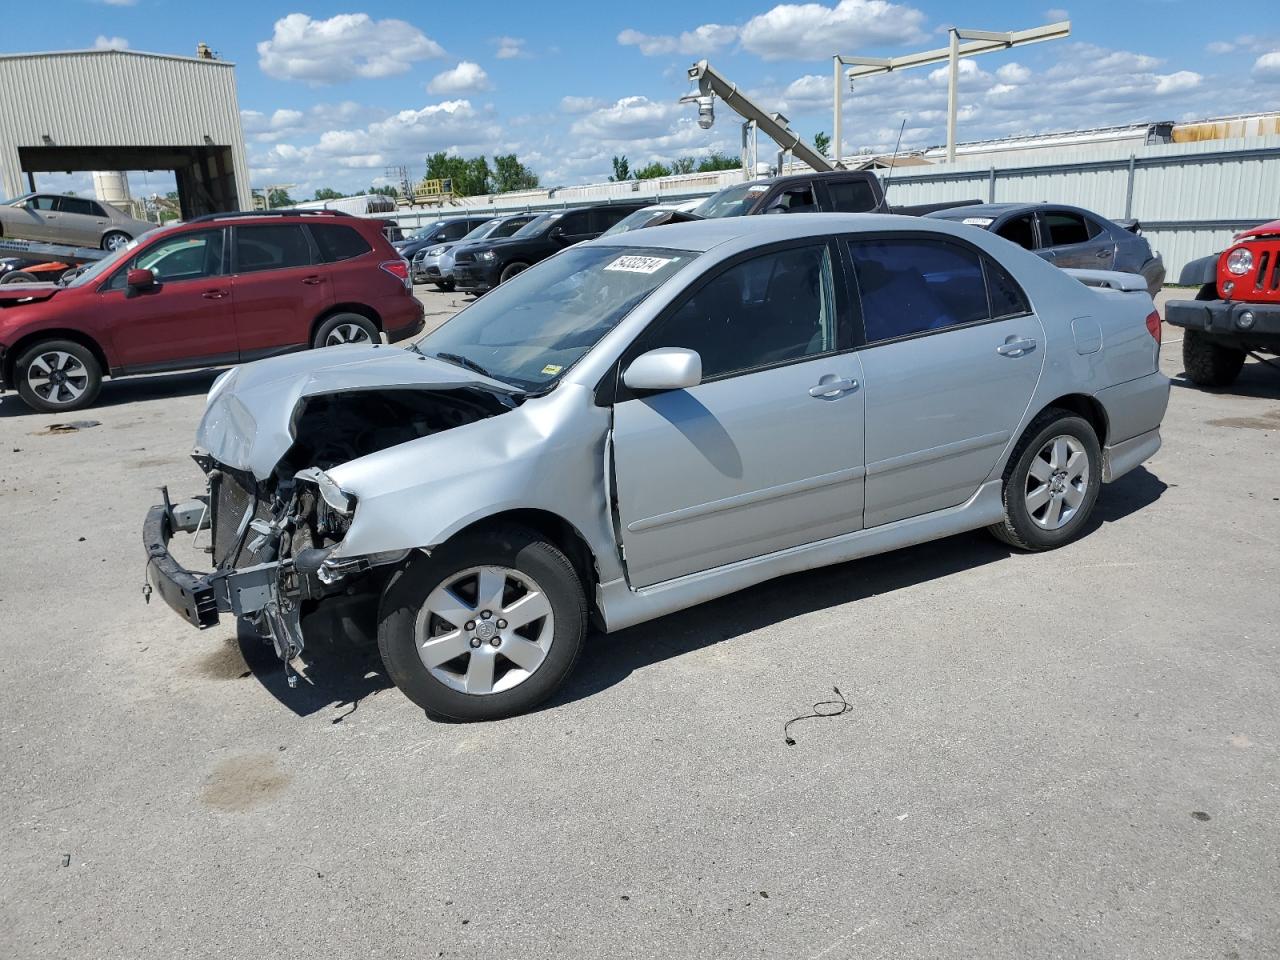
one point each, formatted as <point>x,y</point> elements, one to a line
<point>485,630</point>
<point>58,377</point>
<point>347,333</point>
<point>1057,481</point>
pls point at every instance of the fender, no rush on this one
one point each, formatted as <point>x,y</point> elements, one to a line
<point>1199,272</point>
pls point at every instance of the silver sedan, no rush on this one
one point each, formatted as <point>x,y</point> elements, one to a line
<point>76,221</point>
<point>647,421</point>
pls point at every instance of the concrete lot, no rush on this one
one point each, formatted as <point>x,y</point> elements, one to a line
<point>1065,755</point>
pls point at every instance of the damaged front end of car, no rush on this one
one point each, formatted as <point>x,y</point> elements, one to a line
<point>275,541</point>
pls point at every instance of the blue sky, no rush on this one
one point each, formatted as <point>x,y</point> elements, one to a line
<point>333,93</point>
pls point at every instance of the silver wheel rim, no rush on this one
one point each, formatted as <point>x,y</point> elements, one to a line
<point>58,377</point>
<point>116,240</point>
<point>1057,481</point>
<point>347,333</point>
<point>485,630</point>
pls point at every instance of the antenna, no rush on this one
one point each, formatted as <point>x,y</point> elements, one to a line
<point>893,162</point>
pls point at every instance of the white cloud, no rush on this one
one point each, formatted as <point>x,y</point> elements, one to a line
<point>707,38</point>
<point>1220,46</point>
<point>631,118</point>
<point>573,104</point>
<point>509,48</point>
<point>110,43</point>
<point>1267,66</point>
<point>466,77</point>
<point>346,45</point>
<point>1244,43</point>
<point>1013,73</point>
<point>120,3</point>
<point>808,31</point>
<point>1177,82</point>
<point>1054,14</point>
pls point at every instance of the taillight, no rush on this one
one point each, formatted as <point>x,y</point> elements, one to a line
<point>398,269</point>
<point>1153,324</point>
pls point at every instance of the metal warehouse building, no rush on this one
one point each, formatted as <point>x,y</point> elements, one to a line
<point>124,110</point>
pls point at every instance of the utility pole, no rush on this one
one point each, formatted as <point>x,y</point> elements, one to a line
<point>979,41</point>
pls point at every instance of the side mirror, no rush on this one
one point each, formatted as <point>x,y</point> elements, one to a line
<point>140,279</point>
<point>557,234</point>
<point>666,368</point>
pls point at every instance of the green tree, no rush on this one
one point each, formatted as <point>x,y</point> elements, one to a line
<point>328,193</point>
<point>683,165</point>
<point>821,142</point>
<point>621,169</point>
<point>387,190</point>
<point>651,170</point>
<point>469,176</point>
<point>715,160</point>
<point>510,174</point>
<point>279,197</point>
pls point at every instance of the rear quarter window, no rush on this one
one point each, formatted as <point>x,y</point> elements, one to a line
<point>338,243</point>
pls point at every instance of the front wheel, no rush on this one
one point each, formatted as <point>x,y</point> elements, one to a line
<point>114,239</point>
<point>511,269</point>
<point>1050,483</point>
<point>445,285</point>
<point>486,627</point>
<point>1207,363</point>
<point>57,376</point>
<point>346,328</point>
<point>19,276</point>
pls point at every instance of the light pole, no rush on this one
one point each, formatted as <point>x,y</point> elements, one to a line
<point>978,41</point>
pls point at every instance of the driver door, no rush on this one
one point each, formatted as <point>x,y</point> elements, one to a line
<point>766,452</point>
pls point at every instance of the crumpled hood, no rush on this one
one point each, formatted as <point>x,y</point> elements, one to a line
<point>11,293</point>
<point>249,418</point>
<point>1263,230</point>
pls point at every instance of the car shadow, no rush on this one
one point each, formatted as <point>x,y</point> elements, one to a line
<point>1257,379</point>
<point>338,676</point>
<point>159,386</point>
<point>609,659</point>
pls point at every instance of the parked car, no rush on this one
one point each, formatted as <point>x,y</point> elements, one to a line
<point>20,270</point>
<point>484,265</point>
<point>218,289</point>
<point>835,191</point>
<point>1067,237</point>
<point>76,221</point>
<point>442,231</point>
<point>654,216</point>
<point>1236,309</point>
<point>434,264</point>
<point>650,420</point>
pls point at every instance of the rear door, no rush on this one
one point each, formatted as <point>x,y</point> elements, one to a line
<point>602,218</point>
<point>1076,240</point>
<point>854,195</point>
<point>281,287</point>
<point>953,355</point>
<point>766,452</point>
<point>81,221</point>
<point>187,319</point>
<point>1021,228</point>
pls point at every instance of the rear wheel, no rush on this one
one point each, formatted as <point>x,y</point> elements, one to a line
<point>486,627</point>
<point>114,239</point>
<point>57,376</point>
<point>511,269</point>
<point>1050,483</point>
<point>346,328</point>
<point>19,276</point>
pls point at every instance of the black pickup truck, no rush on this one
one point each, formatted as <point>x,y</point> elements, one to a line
<point>837,191</point>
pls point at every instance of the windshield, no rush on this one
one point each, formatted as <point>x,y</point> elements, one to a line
<point>731,201</point>
<point>528,331</point>
<point>482,231</point>
<point>634,221</point>
<point>537,225</point>
<point>104,266</point>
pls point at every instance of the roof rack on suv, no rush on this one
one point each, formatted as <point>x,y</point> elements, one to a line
<point>232,214</point>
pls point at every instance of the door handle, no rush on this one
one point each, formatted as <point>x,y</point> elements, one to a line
<point>833,388</point>
<point>1016,347</point>
<point>1102,253</point>
<point>311,281</point>
<point>214,294</point>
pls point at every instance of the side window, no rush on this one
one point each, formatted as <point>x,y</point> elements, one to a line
<point>42,203</point>
<point>76,205</point>
<point>1065,228</point>
<point>454,231</point>
<point>338,243</point>
<point>510,227</point>
<point>913,285</point>
<point>273,247</point>
<point>1020,230</point>
<point>575,224</point>
<point>851,196</point>
<point>606,217</point>
<point>187,256</point>
<point>773,308</point>
<point>1007,298</point>
<point>797,199</point>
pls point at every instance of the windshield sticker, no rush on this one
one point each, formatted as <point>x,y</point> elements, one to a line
<point>634,264</point>
<point>551,369</point>
<point>978,221</point>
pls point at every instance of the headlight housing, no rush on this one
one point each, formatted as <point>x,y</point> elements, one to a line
<point>434,252</point>
<point>1240,261</point>
<point>485,255</point>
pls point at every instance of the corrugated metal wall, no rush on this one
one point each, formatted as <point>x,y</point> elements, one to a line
<point>117,98</point>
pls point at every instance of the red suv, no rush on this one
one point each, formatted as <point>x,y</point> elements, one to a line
<point>225,288</point>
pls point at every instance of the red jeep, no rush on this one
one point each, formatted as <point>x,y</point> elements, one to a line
<point>1237,310</point>
<point>224,288</point>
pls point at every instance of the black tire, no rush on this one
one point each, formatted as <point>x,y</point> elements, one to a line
<point>86,378</point>
<point>113,239</point>
<point>517,549</point>
<point>1210,364</point>
<point>1018,528</point>
<point>511,269</point>
<point>345,321</point>
<point>19,276</point>
<point>446,285</point>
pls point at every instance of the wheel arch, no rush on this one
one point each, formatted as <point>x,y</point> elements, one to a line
<point>24,343</point>
<point>1087,407</point>
<point>363,309</point>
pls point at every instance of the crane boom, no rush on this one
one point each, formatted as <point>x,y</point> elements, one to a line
<point>712,83</point>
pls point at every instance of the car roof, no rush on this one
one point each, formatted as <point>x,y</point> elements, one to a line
<point>995,210</point>
<point>702,235</point>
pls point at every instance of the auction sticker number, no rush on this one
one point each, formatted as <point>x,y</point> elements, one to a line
<point>634,264</point>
